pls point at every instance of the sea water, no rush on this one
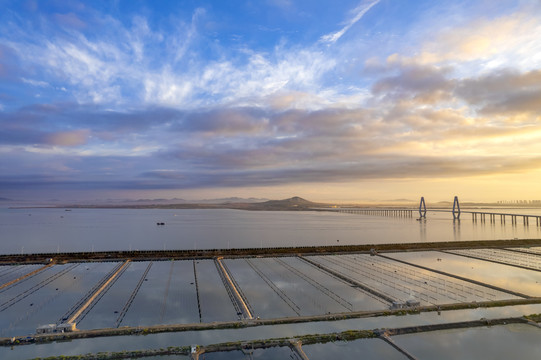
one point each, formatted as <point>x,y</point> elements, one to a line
<point>54,230</point>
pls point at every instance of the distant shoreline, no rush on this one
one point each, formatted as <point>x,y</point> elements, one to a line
<point>265,206</point>
<point>249,207</point>
<point>291,204</point>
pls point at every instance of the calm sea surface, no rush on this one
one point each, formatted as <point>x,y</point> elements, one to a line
<point>57,230</point>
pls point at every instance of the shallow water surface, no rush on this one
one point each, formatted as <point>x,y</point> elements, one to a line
<point>509,277</point>
<point>56,230</point>
<point>516,341</point>
<point>163,340</point>
<point>369,349</point>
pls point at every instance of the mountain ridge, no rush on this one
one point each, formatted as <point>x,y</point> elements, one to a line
<point>292,203</point>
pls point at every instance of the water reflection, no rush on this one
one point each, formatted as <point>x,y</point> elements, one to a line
<point>422,229</point>
<point>503,276</point>
<point>121,229</point>
<point>359,349</point>
<point>122,343</point>
<point>456,229</point>
<point>476,343</point>
<point>263,354</point>
<point>46,297</point>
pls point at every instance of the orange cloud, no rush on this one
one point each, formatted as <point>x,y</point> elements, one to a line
<point>68,138</point>
<point>483,39</point>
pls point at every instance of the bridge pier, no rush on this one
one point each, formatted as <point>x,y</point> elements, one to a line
<point>456,209</point>
<point>422,208</point>
<point>379,212</point>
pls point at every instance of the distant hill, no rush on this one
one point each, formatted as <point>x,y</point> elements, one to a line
<point>171,202</point>
<point>156,201</point>
<point>230,200</point>
<point>291,202</point>
<point>294,203</point>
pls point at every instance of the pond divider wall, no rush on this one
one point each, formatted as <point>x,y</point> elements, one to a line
<point>155,329</point>
<point>296,343</point>
<point>147,255</point>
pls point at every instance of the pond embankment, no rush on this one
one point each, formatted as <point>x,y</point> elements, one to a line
<point>155,329</point>
<point>296,342</point>
<point>147,255</point>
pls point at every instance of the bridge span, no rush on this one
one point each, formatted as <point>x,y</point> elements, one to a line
<point>455,212</point>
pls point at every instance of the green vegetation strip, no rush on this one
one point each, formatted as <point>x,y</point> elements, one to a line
<point>536,318</point>
<point>156,329</point>
<point>275,251</point>
<point>349,335</point>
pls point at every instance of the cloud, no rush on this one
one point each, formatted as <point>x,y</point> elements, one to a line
<point>378,167</point>
<point>36,83</point>
<point>70,125</point>
<point>70,20</point>
<point>282,4</point>
<point>504,92</point>
<point>259,137</point>
<point>489,43</point>
<point>68,138</point>
<point>9,70</point>
<point>224,121</point>
<point>183,38</point>
<point>19,136</point>
<point>357,13</point>
<point>425,83</point>
<point>136,64</point>
<point>291,147</point>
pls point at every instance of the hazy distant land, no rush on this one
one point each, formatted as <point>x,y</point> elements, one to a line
<point>295,203</point>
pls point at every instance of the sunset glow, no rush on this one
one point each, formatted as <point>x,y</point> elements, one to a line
<point>344,101</point>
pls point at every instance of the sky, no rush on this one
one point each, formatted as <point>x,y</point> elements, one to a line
<point>342,101</point>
